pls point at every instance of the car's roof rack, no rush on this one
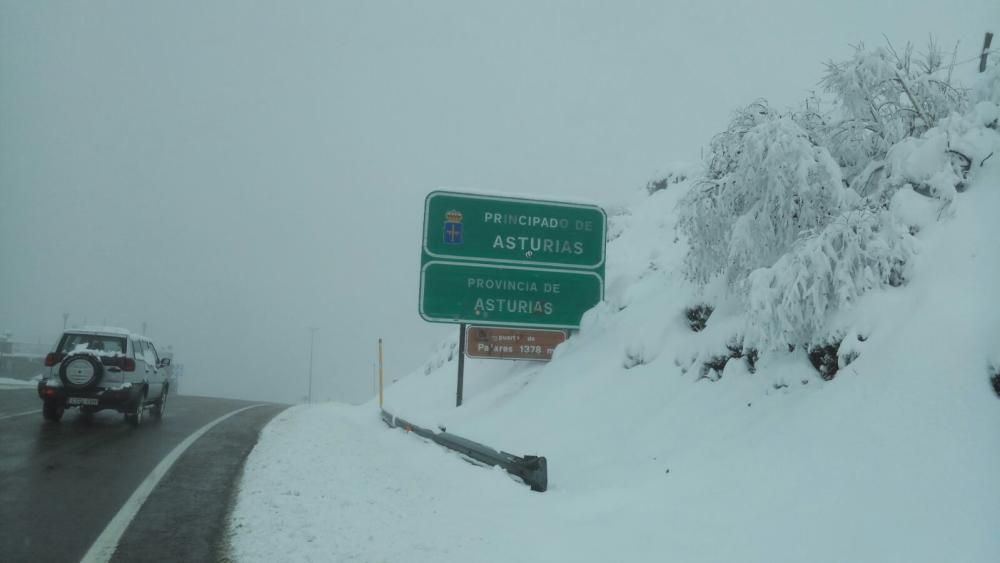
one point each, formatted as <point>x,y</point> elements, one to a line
<point>105,330</point>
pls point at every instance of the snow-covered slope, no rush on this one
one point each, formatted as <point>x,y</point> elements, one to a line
<point>653,459</point>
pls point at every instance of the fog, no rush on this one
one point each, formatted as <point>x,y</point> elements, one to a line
<point>233,173</point>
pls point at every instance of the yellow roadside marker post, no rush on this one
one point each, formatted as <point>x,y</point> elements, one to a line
<point>379,373</point>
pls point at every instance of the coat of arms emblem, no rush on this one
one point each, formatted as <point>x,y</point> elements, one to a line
<point>453,227</point>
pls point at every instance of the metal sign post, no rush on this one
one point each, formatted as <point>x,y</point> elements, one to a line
<point>461,364</point>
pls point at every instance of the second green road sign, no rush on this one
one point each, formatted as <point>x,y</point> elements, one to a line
<point>510,261</point>
<point>456,292</point>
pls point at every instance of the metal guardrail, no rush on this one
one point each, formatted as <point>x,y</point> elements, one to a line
<point>533,470</point>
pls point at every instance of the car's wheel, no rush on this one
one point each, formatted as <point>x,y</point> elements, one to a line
<point>134,417</point>
<point>53,410</point>
<point>81,371</point>
<point>161,405</point>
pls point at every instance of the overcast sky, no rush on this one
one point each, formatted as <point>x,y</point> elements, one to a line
<point>232,173</point>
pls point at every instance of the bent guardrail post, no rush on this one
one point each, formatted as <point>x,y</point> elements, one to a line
<point>533,470</point>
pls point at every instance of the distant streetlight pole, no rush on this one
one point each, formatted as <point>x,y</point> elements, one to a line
<point>65,320</point>
<point>312,338</point>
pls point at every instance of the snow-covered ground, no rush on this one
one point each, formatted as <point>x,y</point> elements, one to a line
<point>896,459</point>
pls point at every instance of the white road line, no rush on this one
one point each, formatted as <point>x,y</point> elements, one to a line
<point>106,544</point>
<point>15,415</point>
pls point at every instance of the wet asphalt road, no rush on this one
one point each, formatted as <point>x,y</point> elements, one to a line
<point>61,483</point>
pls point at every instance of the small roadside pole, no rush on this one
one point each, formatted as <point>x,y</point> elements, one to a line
<point>312,338</point>
<point>461,364</point>
<point>380,373</point>
<point>986,51</point>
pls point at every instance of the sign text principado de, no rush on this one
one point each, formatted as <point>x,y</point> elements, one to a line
<point>503,230</point>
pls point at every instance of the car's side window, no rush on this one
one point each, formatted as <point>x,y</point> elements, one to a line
<point>140,351</point>
<point>71,342</point>
<point>153,356</point>
<point>114,345</point>
<point>147,353</point>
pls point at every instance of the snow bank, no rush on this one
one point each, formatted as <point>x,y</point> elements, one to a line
<point>660,451</point>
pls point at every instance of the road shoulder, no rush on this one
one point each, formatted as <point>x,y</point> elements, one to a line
<point>185,517</point>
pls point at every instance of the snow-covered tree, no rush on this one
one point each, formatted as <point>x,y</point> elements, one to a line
<point>881,97</point>
<point>801,213</point>
<point>775,185</point>
<point>938,164</point>
<point>725,148</point>
<point>790,302</point>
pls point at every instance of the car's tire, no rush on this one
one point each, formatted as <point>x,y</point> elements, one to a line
<point>81,371</point>
<point>161,405</point>
<point>52,410</point>
<point>134,416</point>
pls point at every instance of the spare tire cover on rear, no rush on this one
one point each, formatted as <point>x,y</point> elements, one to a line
<point>81,371</point>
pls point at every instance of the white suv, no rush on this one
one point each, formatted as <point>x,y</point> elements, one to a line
<point>105,368</point>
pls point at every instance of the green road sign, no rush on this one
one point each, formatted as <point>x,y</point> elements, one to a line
<point>507,261</point>
<point>503,230</point>
<point>485,294</point>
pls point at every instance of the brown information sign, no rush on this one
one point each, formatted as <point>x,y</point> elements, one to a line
<point>512,343</point>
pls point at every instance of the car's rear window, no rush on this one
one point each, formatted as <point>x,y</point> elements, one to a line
<point>96,342</point>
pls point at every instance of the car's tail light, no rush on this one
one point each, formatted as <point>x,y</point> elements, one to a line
<point>53,358</point>
<point>128,364</point>
<point>50,392</point>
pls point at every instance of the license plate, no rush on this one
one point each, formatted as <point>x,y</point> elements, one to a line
<point>81,401</point>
